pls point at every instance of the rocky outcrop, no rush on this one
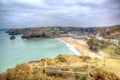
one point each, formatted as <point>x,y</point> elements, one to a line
<point>15,31</point>
<point>47,32</point>
<point>12,37</point>
<point>34,32</point>
<point>34,35</point>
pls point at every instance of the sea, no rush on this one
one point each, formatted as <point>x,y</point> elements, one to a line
<point>17,51</point>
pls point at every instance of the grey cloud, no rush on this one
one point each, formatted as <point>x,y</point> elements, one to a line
<point>15,13</point>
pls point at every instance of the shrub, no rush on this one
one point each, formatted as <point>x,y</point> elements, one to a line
<point>24,72</point>
<point>21,72</point>
<point>61,58</point>
<point>100,74</point>
<point>106,47</point>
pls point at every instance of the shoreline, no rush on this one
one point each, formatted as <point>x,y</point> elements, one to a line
<point>81,46</point>
<point>77,46</point>
<point>71,47</point>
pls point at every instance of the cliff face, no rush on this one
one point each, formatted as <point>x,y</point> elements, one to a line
<point>43,32</point>
<point>47,32</point>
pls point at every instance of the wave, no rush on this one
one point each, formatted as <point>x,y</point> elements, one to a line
<point>72,48</point>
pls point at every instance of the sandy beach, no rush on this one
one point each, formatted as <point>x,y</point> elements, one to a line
<point>81,46</point>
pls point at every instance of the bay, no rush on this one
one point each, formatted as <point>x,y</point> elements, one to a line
<point>17,51</point>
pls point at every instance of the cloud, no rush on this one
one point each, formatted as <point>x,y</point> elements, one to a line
<point>37,13</point>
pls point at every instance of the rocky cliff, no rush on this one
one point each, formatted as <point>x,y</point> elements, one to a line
<point>47,32</point>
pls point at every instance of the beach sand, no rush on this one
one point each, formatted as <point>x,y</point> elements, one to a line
<point>81,46</point>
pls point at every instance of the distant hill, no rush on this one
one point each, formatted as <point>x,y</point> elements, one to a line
<point>107,32</point>
<point>51,31</point>
<point>112,32</point>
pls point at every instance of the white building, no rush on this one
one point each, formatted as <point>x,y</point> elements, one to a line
<point>115,41</point>
<point>99,37</point>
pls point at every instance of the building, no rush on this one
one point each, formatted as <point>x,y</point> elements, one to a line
<point>115,41</point>
<point>99,37</point>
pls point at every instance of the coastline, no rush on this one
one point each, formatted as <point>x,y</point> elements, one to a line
<point>77,46</point>
<point>80,46</point>
<point>71,47</point>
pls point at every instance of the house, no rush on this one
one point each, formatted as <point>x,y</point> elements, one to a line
<point>99,37</point>
<point>115,41</point>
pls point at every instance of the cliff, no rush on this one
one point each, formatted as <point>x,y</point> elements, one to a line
<point>42,32</point>
<point>47,32</point>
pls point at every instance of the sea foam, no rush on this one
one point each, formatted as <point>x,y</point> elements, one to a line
<point>72,48</point>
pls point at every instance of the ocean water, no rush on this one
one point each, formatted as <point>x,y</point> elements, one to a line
<point>72,48</point>
<point>17,51</point>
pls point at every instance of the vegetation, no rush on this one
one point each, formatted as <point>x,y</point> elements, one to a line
<point>61,58</point>
<point>119,42</point>
<point>112,32</point>
<point>26,71</point>
<point>99,74</point>
<point>106,47</point>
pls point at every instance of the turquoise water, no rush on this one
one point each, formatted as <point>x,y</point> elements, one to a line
<point>17,51</point>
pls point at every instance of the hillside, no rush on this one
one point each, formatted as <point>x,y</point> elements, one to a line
<point>52,31</point>
<point>112,32</point>
<point>106,47</point>
<point>29,71</point>
<point>47,32</point>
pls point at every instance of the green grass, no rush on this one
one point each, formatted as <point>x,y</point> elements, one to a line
<point>106,47</point>
<point>111,50</point>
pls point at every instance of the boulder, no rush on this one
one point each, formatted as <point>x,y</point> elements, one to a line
<point>12,37</point>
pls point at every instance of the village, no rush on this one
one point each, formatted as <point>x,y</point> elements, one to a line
<point>87,36</point>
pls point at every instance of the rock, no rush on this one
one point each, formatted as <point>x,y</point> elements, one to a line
<point>12,37</point>
<point>15,31</point>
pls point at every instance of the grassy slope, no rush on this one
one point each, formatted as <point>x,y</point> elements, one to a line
<point>113,32</point>
<point>25,71</point>
<point>111,50</point>
<point>112,64</point>
<point>103,46</point>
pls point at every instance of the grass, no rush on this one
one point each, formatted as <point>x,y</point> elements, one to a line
<point>112,65</point>
<point>106,47</point>
<point>110,49</point>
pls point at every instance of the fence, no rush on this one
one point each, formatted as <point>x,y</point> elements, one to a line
<point>51,69</point>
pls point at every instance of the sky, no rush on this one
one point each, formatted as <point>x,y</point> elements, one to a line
<point>42,13</point>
